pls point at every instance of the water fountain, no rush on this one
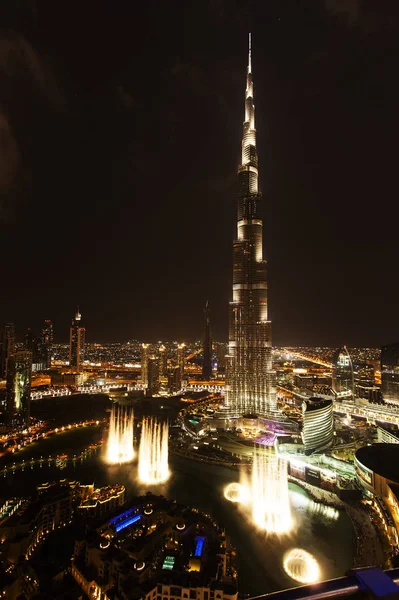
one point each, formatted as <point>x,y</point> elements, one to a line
<point>120,435</point>
<point>301,566</point>
<point>264,493</point>
<point>153,453</point>
<point>269,492</point>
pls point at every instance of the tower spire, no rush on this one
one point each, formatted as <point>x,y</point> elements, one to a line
<point>249,55</point>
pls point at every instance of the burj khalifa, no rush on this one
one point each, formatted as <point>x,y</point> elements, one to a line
<point>250,379</point>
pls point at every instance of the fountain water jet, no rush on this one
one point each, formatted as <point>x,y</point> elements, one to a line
<point>269,491</point>
<point>120,435</point>
<point>153,453</point>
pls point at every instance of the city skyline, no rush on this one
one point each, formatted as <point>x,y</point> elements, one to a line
<point>328,117</point>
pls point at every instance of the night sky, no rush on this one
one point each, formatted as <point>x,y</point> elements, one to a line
<point>120,132</point>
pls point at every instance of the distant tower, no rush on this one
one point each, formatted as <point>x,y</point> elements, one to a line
<point>163,361</point>
<point>153,376</point>
<point>77,342</point>
<point>250,378</point>
<point>207,347</point>
<point>7,347</point>
<point>144,364</point>
<point>174,380</point>
<point>19,374</point>
<point>390,373</point>
<point>318,424</point>
<point>46,342</point>
<point>342,375</point>
<point>180,358</point>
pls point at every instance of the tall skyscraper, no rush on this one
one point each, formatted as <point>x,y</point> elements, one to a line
<point>251,381</point>
<point>342,375</point>
<point>390,373</point>
<point>19,375</point>
<point>144,364</point>
<point>207,346</point>
<point>46,342</point>
<point>153,376</point>
<point>163,361</point>
<point>77,342</point>
<point>7,347</point>
<point>180,358</point>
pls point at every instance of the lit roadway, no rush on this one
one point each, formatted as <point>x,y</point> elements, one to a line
<point>311,359</point>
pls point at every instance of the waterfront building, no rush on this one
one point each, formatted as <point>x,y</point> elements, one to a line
<point>144,364</point>
<point>163,361</point>
<point>318,424</point>
<point>153,376</point>
<point>180,358</point>
<point>7,347</point>
<point>377,473</point>
<point>19,375</point>
<point>342,375</point>
<point>207,346</point>
<point>250,378</point>
<point>187,555</point>
<point>390,373</point>
<point>77,342</point>
<point>102,501</point>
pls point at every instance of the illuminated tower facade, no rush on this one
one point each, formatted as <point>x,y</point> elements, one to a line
<point>144,364</point>
<point>77,342</point>
<point>251,381</point>
<point>342,375</point>
<point>207,347</point>
<point>180,358</point>
<point>163,361</point>
<point>19,375</point>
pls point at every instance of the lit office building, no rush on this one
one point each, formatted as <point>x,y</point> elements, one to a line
<point>180,358</point>
<point>7,347</point>
<point>174,380</point>
<point>342,375</point>
<point>318,424</point>
<point>163,361</point>
<point>153,376</point>
<point>19,374</point>
<point>390,373</point>
<point>250,379</point>
<point>77,342</point>
<point>144,364</point>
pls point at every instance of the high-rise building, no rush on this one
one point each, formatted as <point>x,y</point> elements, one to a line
<point>153,376</point>
<point>19,374</point>
<point>144,364</point>
<point>33,345</point>
<point>180,358</point>
<point>250,379</point>
<point>77,342</point>
<point>342,375</point>
<point>163,361</point>
<point>46,342</point>
<point>7,347</point>
<point>318,424</point>
<point>221,351</point>
<point>390,373</point>
<point>207,346</point>
<point>174,380</point>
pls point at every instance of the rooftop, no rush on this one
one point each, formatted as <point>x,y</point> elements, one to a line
<point>382,459</point>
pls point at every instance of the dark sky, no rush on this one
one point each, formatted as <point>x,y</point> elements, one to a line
<point>120,131</point>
